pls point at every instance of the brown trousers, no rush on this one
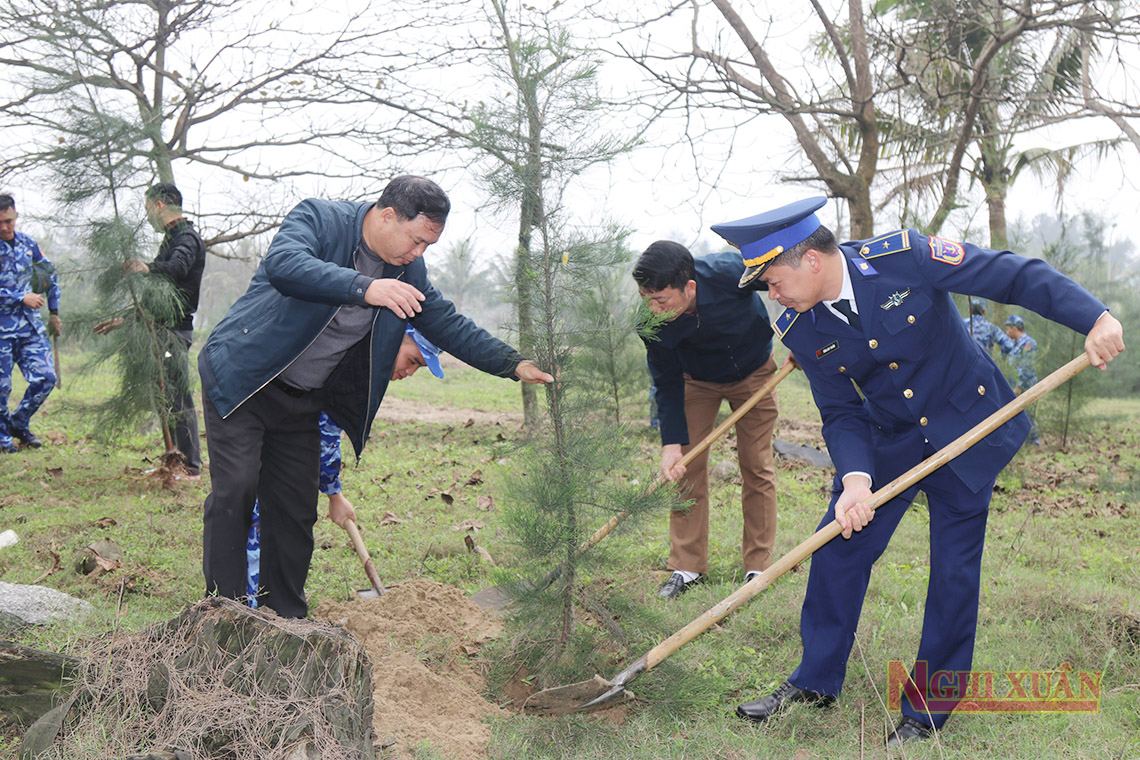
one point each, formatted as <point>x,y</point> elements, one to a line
<point>689,530</point>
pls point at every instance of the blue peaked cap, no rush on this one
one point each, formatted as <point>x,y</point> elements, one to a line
<point>429,350</point>
<point>763,237</point>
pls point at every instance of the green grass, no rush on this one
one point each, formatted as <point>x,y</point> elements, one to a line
<point>461,387</point>
<point>1059,577</point>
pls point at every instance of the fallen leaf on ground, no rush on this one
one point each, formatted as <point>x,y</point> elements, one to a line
<point>468,525</point>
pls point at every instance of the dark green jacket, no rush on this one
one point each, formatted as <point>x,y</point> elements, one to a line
<point>307,275</point>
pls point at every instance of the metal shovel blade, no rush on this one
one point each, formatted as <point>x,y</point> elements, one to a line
<point>584,696</point>
<point>369,593</point>
<point>494,599</point>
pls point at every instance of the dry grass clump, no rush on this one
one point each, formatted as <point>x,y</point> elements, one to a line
<point>218,681</point>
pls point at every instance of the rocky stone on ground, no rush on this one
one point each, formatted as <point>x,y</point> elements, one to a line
<point>38,605</point>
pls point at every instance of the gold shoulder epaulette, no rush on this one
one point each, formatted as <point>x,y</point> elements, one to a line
<point>784,322</point>
<point>892,243</point>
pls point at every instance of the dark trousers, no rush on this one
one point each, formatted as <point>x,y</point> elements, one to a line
<point>183,416</point>
<point>267,450</point>
<point>841,571</point>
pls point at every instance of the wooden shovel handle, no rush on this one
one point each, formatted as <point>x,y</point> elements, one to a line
<point>362,552</point>
<point>699,449</point>
<point>797,555</point>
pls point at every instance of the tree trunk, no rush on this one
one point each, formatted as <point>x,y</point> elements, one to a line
<point>995,204</point>
<point>31,681</point>
<point>523,307</point>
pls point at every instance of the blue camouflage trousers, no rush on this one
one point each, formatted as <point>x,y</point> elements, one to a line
<point>32,353</point>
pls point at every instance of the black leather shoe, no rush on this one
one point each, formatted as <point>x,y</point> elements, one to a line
<point>677,585</point>
<point>28,438</point>
<point>909,730</point>
<point>762,709</point>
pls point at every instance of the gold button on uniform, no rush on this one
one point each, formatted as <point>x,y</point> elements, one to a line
<point>908,393</point>
<point>910,319</point>
<point>842,369</point>
<point>981,390</point>
<point>873,343</point>
<point>922,421</point>
<point>893,365</point>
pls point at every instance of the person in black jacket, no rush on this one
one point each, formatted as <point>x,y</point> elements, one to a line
<point>715,345</point>
<point>181,258</point>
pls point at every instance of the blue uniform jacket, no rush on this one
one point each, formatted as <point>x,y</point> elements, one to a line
<point>1023,357</point>
<point>921,373</point>
<point>728,339</point>
<point>306,275</point>
<point>16,259</point>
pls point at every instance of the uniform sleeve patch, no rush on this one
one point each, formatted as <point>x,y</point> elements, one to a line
<point>947,251</point>
<point>892,243</point>
<point>784,322</point>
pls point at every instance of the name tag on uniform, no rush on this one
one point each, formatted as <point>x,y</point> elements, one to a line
<point>827,349</point>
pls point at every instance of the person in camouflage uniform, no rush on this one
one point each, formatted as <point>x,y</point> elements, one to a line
<point>416,351</point>
<point>23,339</point>
<point>986,333</point>
<point>1023,357</point>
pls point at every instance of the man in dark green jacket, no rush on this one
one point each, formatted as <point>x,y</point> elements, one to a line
<point>318,328</point>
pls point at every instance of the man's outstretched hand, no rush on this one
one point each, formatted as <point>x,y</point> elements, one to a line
<point>528,372</point>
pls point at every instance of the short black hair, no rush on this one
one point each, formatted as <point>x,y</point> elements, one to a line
<point>822,240</point>
<point>411,196</point>
<point>7,202</point>
<point>977,307</point>
<point>165,192</point>
<point>664,264</point>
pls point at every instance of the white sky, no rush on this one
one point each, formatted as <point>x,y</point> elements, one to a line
<point>656,193</point>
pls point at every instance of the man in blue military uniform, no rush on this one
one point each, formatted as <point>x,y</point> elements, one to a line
<point>1023,356</point>
<point>23,340</point>
<point>985,332</point>
<point>715,345</point>
<point>878,314</point>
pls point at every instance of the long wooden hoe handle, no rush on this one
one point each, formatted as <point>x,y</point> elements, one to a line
<point>697,450</point>
<point>732,602</point>
<point>362,552</point>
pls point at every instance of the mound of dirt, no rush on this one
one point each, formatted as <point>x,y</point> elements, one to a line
<point>418,636</point>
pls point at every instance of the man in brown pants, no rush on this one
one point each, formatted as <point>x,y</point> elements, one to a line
<point>715,344</point>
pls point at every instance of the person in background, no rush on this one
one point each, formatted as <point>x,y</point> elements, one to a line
<point>1023,357</point>
<point>181,259</point>
<point>986,333</point>
<point>23,339</point>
